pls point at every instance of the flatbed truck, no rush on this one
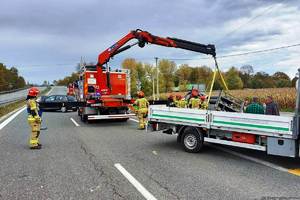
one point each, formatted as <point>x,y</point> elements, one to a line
<point>275,135</point>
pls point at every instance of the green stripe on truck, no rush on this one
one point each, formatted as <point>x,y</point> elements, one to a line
<point>177,117</point>
<point>251,125</point>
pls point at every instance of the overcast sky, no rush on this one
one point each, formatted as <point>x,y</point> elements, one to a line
<point>45,39</point>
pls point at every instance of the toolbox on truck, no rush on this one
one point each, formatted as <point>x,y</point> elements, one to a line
<point>243,137</point>
<point>282,147</point>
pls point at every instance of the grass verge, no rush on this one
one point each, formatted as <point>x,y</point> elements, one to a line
<point>18,104</point>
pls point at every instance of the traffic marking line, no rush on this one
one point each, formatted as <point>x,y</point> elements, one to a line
<point>74,122</point>
<point>49,91</point>
<point>133,120</point>
<point>135,183</point>
<point>4,123</point>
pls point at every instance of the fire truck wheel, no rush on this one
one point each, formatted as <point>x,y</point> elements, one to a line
<point>192,140</point>
<point>63,109</point>
<point>84,118</point>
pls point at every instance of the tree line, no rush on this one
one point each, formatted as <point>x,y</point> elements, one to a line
<point>10,78</point>
<point>143,75</point>
<point>170,76</point>
<point>68,79</point>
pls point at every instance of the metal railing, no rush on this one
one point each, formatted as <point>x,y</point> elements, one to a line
<point>5,102</point>
<point>15,90</point>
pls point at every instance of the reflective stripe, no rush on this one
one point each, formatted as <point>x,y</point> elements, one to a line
<point>194,102</point>
<point>182,103</point>
<point>142,103</point>
<point>178,117</point>
<point>250,125</point>
<point>34,142</point>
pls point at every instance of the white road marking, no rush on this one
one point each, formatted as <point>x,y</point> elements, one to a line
<point>133,120</point>
<point>76,124</point>
<point>4,123</point>
<point>154,152</point>
<point>49,91</point>
<point>135,183</point>
<point>262,162</point>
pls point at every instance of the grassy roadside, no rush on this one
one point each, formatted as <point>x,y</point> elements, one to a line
<point>15,105</point>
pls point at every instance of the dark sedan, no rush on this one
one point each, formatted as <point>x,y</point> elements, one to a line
<point>58,102</point>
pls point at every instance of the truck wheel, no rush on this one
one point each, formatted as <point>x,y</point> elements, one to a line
<point>192,140</point>
<point>63,109</point>
<point>84,118</point>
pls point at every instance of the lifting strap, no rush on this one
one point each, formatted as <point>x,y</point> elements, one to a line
<point>211,85</point>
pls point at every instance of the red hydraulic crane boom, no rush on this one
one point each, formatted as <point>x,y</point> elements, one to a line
<point>145,37</point>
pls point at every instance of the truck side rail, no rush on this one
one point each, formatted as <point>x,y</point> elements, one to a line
<point>277,126</point>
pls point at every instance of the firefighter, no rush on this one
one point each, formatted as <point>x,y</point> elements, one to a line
<point>142,109</point>
<point>34,118</point>
<point>177,99</point>
<point>194,101</point>
<point>203,104</point>
<point>171,101</point>
<point>182,103</point>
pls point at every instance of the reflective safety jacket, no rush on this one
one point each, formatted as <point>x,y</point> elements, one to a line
<point>142,103</point>
<point>194,103</point>
<point>182,103</point>
<point>32,107</point>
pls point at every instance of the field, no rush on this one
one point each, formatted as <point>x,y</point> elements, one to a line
<point>285,97</point>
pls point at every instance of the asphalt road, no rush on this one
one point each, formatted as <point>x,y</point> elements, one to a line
<point>5,98</point>
<point>78,162</point>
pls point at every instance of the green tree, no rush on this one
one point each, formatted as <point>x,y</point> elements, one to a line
<point>233,79</point>
<point>282,80</point>
<point>167,71</point>
<point>130,64</point>
<point>139,73</point>
<point>201,75</point>
<point>262,80</point>
<point>182,75</point>
<point>245,73</point>
<point>10,79</point>
<point>150,73</point>
<point>68,79</point>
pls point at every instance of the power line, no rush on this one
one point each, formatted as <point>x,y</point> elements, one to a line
<point>238,54</point>
<point>259,51</point>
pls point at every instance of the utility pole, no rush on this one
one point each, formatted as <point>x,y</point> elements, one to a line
<point>153,86</point>
<point>157,80</point>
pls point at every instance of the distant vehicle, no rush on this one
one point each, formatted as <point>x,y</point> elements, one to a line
<point>58,102</point>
